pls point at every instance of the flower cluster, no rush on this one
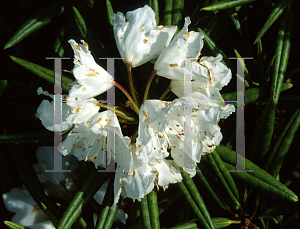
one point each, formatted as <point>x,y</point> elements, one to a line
<point>171,134</point>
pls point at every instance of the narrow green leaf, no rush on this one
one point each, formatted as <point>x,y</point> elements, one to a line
<point>154,5</point>
<point>14,225</point>
<point>282,145</point>
<point>285,53</point>
<point>215,50</point>
<point>263,132</point>
<point>224,176</point>
<point>168,12</point>
<point>111,217</point>
<point>81,198</point>
<point>34,24</point>
<point>110,12</point>
<point>214,168</point>
<point>251,95</point>
<point>186,225</point>
<point>145,213</point>
<point>153,210</point>
<point>51,216</point>
<point>190,185</point>
<point>211,188</point>
<point>80,22</point>
<point>193,205</point>
<point>259,178</point>
<point>178,6</point>
<point>107,203</point>
<point>286,86</point>
<point>278,53</point>
<point>42,72</point>
<point>260,64</point>
<point>225,4</point>
<point>272,18</point>
<point>223,222</point>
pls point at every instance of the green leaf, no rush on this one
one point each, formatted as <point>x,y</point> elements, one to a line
<point>178,6</point>
<point>247,75</point>
<point>154,5</point>
<point>196,197</point>
<point>107,203</point>
<point>145,213</point>
<point>259,178</point>
<point>30,138</point>
<point>193,205</point>
<point>212,188</point>
<point>111,217</point>
<point>272,18</point>
<point>34,24</point>
<point>14,225</point>
<point>282,145</point>
<point>232,13</point>
<point>215,50</point>
<point>251,95</point>
<point>286,86</point>
<point>260,64</point>
<point>224,178</point>
<point>284,53</point>
<point>168,12</point>
<point>186,225</point>
<point>225,4</point>
<point>276,80</point>
<point>263,132</point>
<point>110,12</point>
<point>51,216</point>
<point>153,210</point>
<point>42,72</point>
<point>82,197</point>
<point>80,22</point>
<point>223,222</point>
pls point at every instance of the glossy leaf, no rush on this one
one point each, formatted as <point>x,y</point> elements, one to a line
<point>282,145</point>
<point>192,189</point>
<point>263,132</point>
<point>34,24</point>
<point>42,72</point>
<point>225,4</point>
<point>153,210</point>
<point>284,53</point>
<point>259,178</point>
<point>12,225</point>
<point>168,12</point>
<point>145,213</point>
<point>178,6</point>
<point>110,12</point>
<point>272,18</point>
<point>154,5</point>
<point>80,22</point>
<point>251,95</point>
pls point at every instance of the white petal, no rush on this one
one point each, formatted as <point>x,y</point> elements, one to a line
<point>138,39</point>
<point>93,80</point>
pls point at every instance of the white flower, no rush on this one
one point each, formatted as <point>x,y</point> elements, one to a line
<point>162,126</point>
<point>208,71</point>
<point>46,113</point>
<point>27,211</point>
<point>137,179</point>
<point>92,80</point>
<point>87,141</point>
<point>138,39</point>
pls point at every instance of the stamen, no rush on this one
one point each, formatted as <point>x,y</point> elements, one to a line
<point>91,158</point>
<point>170,145</point>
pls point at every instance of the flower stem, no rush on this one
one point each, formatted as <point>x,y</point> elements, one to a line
<point>148,84</point>
<point>132,91</point>
<point>117,112</point>
<point>134,106</point>
<point>165,92</point>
